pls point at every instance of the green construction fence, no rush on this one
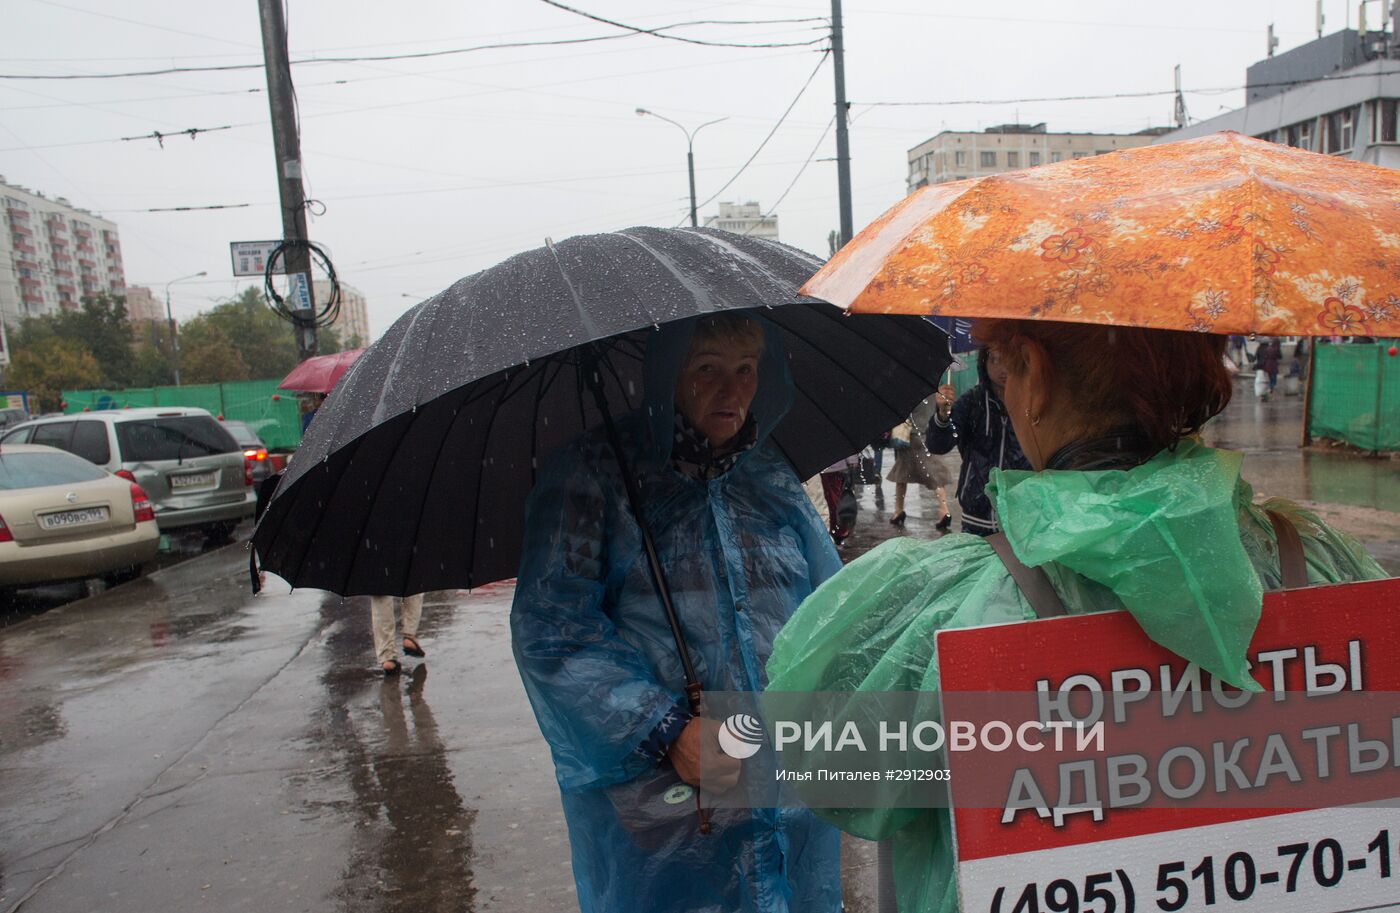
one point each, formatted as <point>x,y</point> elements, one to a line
<point>272,413</point>
<point>1355,395</point>
<point>964,378</point>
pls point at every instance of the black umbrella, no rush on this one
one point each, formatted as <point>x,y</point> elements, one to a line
<point>414,474</point>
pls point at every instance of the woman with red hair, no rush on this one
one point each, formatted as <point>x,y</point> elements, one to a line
<point>1123,508</point>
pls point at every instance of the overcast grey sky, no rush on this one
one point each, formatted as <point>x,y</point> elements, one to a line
<point>436,168</point>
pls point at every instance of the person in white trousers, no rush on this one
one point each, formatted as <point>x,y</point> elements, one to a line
<point>382,621</point>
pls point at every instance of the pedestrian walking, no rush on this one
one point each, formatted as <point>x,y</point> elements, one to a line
<point>978,426</point>
<point>382,622</point>
<point>1137,515</point>
<point>877,448</point>
<point>838,489</point>
<point>914,465</point>
<point>1237,350</point>
<point>1266,361</point>
<point>741,547</point>
<point>1273,361</point>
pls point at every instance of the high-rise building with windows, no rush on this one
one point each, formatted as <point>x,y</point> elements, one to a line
<point>352,326</point>
<point>745,219</point>
<point>142,306</point>
<point>53,254</point>
<point>955,155</point>
<point>1336,95</point>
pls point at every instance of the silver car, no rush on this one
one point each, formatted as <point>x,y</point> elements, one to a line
<point>187,463</point>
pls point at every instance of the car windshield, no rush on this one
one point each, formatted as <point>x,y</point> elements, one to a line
<point>172,438</point>
<point>35,470</point>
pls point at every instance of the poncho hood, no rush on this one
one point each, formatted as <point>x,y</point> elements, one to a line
<point>666,350</point>
<point>1164,537</point>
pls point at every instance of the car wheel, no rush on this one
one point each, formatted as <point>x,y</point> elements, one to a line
<point>124,575</point>
<point>219,533</point>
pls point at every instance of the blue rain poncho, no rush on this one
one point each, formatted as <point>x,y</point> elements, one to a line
<point>1177,541</point>
<point>599,663</point>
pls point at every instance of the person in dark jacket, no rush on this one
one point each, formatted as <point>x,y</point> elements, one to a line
<point>977,424</point>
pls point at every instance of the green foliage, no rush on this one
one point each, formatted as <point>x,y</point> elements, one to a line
<point>264,344</point>
<point>48,366</point>
<point>209,356</point>
<point>99,326</point>
<point>150,367</point>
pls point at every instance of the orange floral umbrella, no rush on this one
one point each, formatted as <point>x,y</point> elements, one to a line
<point>1222,234</point>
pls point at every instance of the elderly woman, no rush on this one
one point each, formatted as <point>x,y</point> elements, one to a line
<point>742,546</point>
<point>1106,417</point>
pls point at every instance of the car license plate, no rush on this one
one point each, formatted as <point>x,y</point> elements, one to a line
<point>193,480</point>
<point>68,518</point>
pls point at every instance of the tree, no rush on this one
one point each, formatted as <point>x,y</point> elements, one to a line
<point>209,356</point>
<point>47,367</point>
<point>100,325</point>
<point>150,367</point>
<point>265,343</point>
<point>262,340</point>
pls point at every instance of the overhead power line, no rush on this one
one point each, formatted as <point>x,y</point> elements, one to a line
<point>191,132</point>
<point>800,92</point>
<point>795,178</point>
<point>658,32</point>
<point>189,208</point>
<point>1283,84</point>
<point>229,67</point>
<point>630,32</point>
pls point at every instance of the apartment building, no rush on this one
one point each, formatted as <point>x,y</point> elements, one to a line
<point>353,322</point>
<point>53,254</point>
<point>954,155</point>
<point>744,219</point>
<point>142,306</point>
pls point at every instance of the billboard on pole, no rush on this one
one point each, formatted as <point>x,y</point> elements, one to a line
<point>250,257</point>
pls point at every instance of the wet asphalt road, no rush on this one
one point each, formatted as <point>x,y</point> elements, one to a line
<point>177,744</point>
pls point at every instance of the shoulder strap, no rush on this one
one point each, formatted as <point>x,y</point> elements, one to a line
<point>1291,563</point>
<point>1035,586</point>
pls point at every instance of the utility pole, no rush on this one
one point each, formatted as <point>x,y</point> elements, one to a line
<point>1179,110</point>
<point>843,143</point>
<point>286,144</point>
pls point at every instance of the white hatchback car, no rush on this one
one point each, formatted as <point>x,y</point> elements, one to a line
<point>62,518</point>
<point>190,466</point>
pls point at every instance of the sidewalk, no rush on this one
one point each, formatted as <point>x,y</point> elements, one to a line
<point>181,745</point>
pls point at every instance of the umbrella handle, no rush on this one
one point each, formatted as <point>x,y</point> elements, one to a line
<point>694,697</point>
<point>594,378</point>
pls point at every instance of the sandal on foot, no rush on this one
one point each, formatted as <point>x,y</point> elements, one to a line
<point>415,650</point>
<point>391,667</point>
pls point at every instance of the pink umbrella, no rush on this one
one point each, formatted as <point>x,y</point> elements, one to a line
<point>319,374</point>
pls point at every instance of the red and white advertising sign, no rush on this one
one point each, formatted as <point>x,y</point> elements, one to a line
<point>1300,816</point>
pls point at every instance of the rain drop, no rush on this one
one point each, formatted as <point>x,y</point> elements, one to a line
<point>491,542</point>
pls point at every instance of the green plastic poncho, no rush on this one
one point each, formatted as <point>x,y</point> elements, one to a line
<point>1176,541</point>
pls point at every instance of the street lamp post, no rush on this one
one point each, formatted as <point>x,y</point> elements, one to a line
<point>689,152</point>
<point>170,321</point>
